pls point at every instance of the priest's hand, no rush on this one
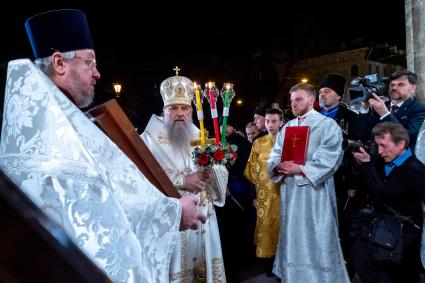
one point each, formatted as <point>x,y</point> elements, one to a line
<point>190,213</point>
<point>194,182</point>
<point>290,168</point>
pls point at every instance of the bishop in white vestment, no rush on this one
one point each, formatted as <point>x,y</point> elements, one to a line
<point>309,248</point>
<point>197,256</point>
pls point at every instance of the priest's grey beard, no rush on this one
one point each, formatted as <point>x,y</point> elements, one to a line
<point>179,135</point>
<point>81,97</point>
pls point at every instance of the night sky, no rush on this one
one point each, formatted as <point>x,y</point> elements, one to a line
<point>138,44</point>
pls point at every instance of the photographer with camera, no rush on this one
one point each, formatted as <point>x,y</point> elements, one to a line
<point>395,183</point>
<point>402,108</point>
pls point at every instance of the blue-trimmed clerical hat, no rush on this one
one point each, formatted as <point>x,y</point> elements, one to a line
<point>59,30</point>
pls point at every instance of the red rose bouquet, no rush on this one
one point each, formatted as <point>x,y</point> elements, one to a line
<point>212,154</point>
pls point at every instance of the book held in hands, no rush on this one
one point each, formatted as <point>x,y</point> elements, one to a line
<point>295,144</point>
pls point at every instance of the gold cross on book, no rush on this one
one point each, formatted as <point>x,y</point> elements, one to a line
<point>294,139</point>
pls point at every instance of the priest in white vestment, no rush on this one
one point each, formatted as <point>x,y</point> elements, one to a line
<point>197,256</point>
<point>70,169</point>
<point>309,248</point>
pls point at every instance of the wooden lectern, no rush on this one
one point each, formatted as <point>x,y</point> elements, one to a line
<point>110,117</point>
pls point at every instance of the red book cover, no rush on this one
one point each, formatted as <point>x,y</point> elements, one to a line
<point>295,144</point>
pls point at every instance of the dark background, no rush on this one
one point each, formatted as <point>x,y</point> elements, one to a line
<point>138,43</point>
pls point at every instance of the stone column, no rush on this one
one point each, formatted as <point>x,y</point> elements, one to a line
<point>409,34</point>
<point>415,42</point>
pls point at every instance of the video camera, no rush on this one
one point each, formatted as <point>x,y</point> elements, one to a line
<point>362,88</point>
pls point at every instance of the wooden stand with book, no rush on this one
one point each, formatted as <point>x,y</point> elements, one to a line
<point>110,117</point>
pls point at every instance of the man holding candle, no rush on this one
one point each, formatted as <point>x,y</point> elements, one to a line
<point>197,255</point>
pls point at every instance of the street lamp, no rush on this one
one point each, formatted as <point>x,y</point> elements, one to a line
<point>117,89</point>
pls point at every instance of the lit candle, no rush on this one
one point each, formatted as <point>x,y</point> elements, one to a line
<point>200,114</point>
<point>225,113</point>
<point>214,112</point>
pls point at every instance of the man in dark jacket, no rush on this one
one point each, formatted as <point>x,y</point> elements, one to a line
<point>397,181</point>
<point>331,91</point>
<point>402,108</point>
<point>236,219</point>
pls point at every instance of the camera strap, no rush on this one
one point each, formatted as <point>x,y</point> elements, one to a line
<point>402,218</point>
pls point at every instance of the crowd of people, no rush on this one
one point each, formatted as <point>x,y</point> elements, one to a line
<point>302,219</point>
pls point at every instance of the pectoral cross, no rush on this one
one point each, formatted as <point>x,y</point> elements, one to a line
<point>294,140</point>
<point>176,69</point>
<point>198,141</point>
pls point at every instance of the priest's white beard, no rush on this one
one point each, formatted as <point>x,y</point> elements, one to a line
<point>179,135</point>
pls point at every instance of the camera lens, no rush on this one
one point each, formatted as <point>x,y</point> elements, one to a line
<point>351,145</point>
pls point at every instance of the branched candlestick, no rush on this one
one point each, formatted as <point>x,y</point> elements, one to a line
<point>227,94</point>
<point>211,94</point>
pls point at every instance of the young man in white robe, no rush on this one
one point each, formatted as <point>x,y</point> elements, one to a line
<point>198,256</point>
<point>309,248</point>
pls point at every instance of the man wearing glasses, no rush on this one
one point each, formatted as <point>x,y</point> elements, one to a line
<point>71,170</point>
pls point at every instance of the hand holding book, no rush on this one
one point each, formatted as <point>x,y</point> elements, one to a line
<point>294,150</point>
<point>288,168</point>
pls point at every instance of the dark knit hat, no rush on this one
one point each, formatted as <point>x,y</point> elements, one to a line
<point>59,30</point>
<point>231,121</point>
<point>336,82</point>
<point>261,108</point>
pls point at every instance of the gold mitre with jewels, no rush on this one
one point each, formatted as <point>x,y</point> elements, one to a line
<point>177,90</point>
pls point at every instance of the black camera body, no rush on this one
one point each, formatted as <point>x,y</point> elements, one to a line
<point>362,88</point>
<point>353,146</point>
